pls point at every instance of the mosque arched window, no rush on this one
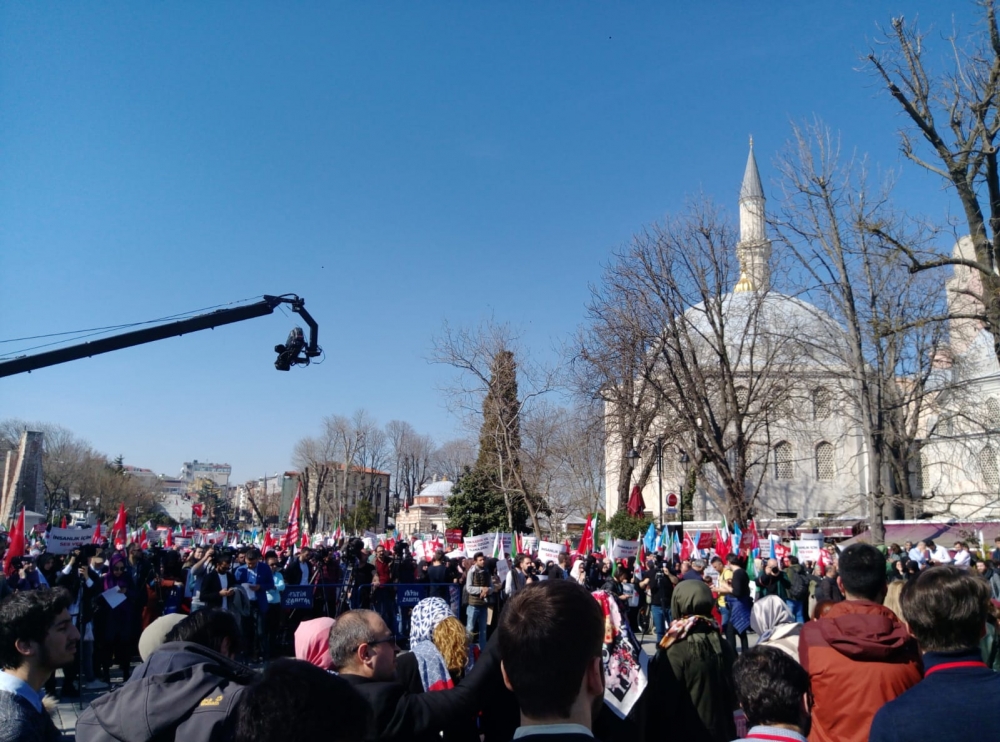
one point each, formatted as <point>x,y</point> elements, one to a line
<point>822,403</point>
<point>825,467</point>
<point>783,468</point>
<point>988,467</point>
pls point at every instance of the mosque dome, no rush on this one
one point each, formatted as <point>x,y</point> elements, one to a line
<point>440,489</point>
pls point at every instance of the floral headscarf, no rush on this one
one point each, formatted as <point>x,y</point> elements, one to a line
<point>427,614</point>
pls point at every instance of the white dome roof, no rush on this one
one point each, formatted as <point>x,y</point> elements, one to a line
<point>775,319</point>
<point>440,489</point>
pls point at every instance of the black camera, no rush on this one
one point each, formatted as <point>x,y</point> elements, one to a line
<point>288,354</point>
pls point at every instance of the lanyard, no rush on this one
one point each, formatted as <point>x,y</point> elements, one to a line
<point>953,665</point>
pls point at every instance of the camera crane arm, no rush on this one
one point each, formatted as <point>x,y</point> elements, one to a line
<point>295,351</point>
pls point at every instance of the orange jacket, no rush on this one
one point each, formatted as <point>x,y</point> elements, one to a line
<point>859,656</point>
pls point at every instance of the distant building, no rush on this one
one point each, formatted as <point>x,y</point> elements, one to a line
<point>147,477</point>
<point>219,474</point>
<point>22,477</point>
<point>427,513</point>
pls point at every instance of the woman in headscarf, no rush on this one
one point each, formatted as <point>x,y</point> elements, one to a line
<point>312,642</point>
<point>577,572</point>
<point>114,625</point>
<point>775,625</point>
<point>690,688</point>
<point>439,657</point>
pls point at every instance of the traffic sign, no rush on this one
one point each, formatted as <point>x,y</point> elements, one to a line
<point>672,502</point>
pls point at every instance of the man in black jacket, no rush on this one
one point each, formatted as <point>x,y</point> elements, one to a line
<point>364,654</point>
<point>827,589</point>
<point>551,636</point>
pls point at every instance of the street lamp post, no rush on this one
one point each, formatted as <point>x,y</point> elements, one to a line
<point>686,465</point>
<point>659,476</point>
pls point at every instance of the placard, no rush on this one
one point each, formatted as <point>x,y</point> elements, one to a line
<point>503,569</point>
<point>625,549</point>
<point>481,543</point>
<point>529,544</point>
<point>549,551</point>
<point>297,596</point>
<point>807,550</point>
<point>64,540</point>
<point>706,540</point>
<point>454,537</point>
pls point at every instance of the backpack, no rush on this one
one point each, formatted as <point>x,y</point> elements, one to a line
<point>800,585</point>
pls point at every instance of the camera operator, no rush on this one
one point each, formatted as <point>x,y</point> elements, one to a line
<point>81,577</point>
<point>773,581</point>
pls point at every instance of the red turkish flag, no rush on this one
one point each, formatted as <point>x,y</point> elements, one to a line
<point>15,548</point>
<point>635,502</point>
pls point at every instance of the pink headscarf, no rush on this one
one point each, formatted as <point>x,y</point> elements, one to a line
<point>312,642</point>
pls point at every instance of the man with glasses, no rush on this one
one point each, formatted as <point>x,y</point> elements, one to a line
<point>364,651</point>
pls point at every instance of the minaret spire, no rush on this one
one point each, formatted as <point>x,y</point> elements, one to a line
<point>753,249</point>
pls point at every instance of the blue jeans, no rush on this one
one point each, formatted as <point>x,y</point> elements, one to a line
<point>477,617</point>
<point>659,621</point>
<point>795,606</point>
<point>724,614</point>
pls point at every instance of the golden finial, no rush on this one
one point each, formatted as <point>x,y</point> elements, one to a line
<point>744,284</point>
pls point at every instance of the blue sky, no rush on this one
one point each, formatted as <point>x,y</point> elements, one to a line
<point>397,164</point>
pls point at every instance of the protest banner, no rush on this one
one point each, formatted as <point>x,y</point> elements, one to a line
<point>182,542</point>
<point>807,550</point>
<point>505,543</point>
<point>503,569</point>
<point>297,596</point>
<point>64,540</point>
<point>529,544</point>
<point>549,551</point>
<point>454,537</point>
<point>625,549</point>
<point>481,543</point>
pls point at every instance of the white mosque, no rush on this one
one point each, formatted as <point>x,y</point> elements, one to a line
<point>815,459</point>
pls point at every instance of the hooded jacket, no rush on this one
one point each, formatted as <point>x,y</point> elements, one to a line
<point>859,656</point>
<point>183,691</point>
<point>690,688</point>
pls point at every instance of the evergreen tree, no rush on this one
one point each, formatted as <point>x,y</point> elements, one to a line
<point>476,506</point>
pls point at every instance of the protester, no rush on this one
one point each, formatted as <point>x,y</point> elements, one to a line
<point>773,691</point>
<point>218,585</point>
<point>772,581</point>
<point>186,690</point>
<point>859,656</point>
<point>661,592</point>
<point>478,588</point>
<point>295,700</point>
<point>154,635</point>
<point>256,577</point>
<point>517,578</point>
<point>81,577</point>
<point>551,638</point>
<point>988,572</point>
<point>114,626</point>
<point>738,604</point>
<point>798,588</point>
<point>312,642</point>
<point>945,610</point>
<point>37,636</point>
<point>690,688</point>
<point>364,653</point>
<point>775,626</point>
<point>962,558</point>
<point>827,589</point>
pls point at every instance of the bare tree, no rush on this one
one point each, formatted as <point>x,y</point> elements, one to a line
<point>313,458</point>
<point>715,364</point>
<point>957,115</point>
<point>452,458</point>
<point>411,454</point>
<point>844,232</point>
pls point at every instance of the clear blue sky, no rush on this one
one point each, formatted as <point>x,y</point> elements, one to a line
<point>397,164</point>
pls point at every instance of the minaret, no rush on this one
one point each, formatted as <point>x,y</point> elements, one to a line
<point>753,249</point>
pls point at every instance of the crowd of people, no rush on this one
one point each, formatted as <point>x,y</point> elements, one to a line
<point>853,649</point>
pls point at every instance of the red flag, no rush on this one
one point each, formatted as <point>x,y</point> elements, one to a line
<point>16,546</point>
<point>97,533</point>
<point>721,545</point>
<point>143,539</point>
<point>268,542</point>
<point>292,531</point>
<point>305,539</point>
<point>198,509</point>
<point>120,526</point>
<point>169,542</point>
<point>687,546</point>
<point>635,502</point>
<point>62,523</point>
<point>587,539</point>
